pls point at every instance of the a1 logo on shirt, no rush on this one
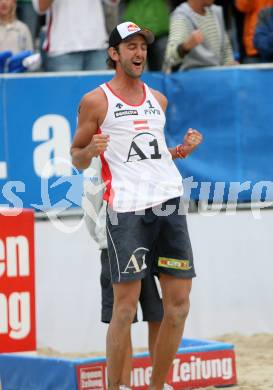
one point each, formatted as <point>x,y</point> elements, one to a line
<point>144,145</point>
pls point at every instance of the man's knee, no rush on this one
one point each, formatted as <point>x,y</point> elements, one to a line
<point>125,313</point>
<point>126,297</point>
<point>177,310</point>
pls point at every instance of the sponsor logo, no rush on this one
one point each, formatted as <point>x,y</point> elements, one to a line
<point>195,370</point>
<point>119,105</point>
<point>17,287</point>
<point>137,261</point>
<point>140,141</point>
<point>164,262</point>
<point>151,109</point>
<point>15,308</point>
<point>118,114</point>
<point>91,378</point>
<point>132,27</point>
<point>198,369</point>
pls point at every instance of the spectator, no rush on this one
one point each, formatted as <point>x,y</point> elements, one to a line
<point>27,15</point>
<point>154,15</point>
<point>14,35</point>
<point>251,8</point>
<point>263,38</point>
<point>197,37</point>
<point>76,37</point>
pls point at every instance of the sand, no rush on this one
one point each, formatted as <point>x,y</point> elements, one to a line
<point>254,360</point>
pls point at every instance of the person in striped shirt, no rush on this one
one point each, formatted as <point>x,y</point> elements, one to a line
<point>197,37</point>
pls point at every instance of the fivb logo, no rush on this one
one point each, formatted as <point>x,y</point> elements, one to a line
<point>15,307</point>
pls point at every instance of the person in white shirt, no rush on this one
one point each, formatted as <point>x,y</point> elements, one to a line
<point>76,37</point>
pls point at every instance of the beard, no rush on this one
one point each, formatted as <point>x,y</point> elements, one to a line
<point>128,68</point>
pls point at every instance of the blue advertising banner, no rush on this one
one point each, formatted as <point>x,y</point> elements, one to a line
<point>231,107</point>
<point>3,156</point>
<point>233,110</point>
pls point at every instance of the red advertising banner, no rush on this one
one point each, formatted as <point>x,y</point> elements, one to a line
<point>17,282</point>
<point>189,371</point>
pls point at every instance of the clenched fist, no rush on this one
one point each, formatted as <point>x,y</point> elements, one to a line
<point>192,139</point>
<point>98,144</point>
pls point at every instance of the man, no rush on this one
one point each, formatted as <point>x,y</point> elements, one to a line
<point>197,37</point>
<point>123,122</point>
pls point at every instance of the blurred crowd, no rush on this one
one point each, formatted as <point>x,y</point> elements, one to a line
<point>69,35</point>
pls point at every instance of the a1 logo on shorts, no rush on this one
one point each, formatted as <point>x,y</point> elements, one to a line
<point>137,261</point>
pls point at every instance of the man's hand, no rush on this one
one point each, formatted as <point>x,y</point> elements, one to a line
<point>98,144</point>
<point>192,139</point>
<point>195,38</point>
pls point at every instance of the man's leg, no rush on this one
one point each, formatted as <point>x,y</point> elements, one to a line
<point>126,297</point>
<point>176,307</point>
<point>127,365</point>
<point>153,329</point>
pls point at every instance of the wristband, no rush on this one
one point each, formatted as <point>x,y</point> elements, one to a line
<point>179,152</point>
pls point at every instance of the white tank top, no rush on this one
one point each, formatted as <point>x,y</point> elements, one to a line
<point>137,167</point>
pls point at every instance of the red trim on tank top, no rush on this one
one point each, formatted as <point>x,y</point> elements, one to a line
<point>124,101</point>
<point>106,177</point>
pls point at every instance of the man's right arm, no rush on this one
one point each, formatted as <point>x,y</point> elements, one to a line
<point>87,143</point>
<point>42,6</point>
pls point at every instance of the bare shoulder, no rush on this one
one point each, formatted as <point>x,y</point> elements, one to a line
<point>94,102</point>
<point>162,100</point>
<point>91,113</point>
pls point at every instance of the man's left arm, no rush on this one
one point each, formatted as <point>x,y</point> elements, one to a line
<point>191,140</point>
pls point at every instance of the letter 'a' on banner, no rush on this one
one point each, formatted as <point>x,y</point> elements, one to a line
<point>17,282</point>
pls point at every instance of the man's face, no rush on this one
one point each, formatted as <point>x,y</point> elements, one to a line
<point>133,55</point>
<point>6,7</point>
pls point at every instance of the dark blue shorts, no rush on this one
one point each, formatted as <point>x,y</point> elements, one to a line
<point>132,236</point>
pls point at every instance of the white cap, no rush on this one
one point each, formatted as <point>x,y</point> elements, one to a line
<point>129,29</point>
